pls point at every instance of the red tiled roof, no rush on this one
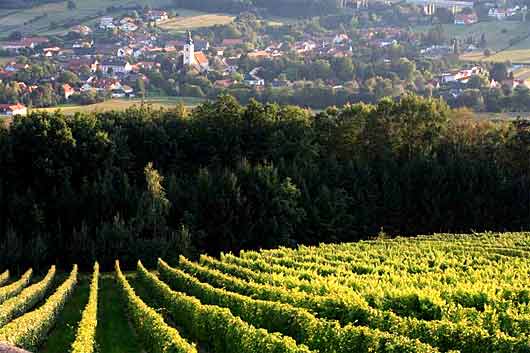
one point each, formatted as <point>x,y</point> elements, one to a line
<point>11,107</point>
<point>201,58</point>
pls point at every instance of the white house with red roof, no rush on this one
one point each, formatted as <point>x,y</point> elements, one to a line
<point>12,110</point>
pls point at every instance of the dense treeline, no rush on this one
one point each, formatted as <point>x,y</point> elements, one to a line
<point>223,177</point>
<point>288,8</point>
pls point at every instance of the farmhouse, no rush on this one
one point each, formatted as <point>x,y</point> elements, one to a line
<point>12,109</point>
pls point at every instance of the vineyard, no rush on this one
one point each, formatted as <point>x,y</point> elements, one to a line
<point>442,293</point>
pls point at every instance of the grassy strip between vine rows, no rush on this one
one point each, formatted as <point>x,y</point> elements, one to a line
<point>27,299</point>
<point>442,334</point>
<point>4,277</point>
<point>156,334</point>
<point>31,329</point>
<point>321,335</point>
<point>85,341</point>
<point>16,287</point>
<point>215,326</point>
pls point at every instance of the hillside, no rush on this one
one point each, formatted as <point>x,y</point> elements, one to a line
<point>463,293</point>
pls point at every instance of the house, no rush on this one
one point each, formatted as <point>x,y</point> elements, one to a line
<point>68,90</point>
<point>128,27</point>
<point>461,76</point>
<point>106,23</point>
<point>202,61</point>
<point>126,19</point>
<point>259,54</point>
<point>466,20</point>
<point>253,79</point>
<point>14,67</point>
<point>503,13</point>
<point>13,109</point>
<point>341,38</point>
<point>156,15</point>
<point>115,66</point>
<point>49,52</point>
<point>81,30</point>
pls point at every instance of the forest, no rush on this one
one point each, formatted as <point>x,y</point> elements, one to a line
<point>290,8</point>
<point>222,177</point>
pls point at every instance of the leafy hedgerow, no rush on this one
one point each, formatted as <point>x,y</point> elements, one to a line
<point>155,333</point>
<point>442,334</point>
<point>16,287</point>
<point>27,299</point>
<point>320,335</point>
<point>31,329</point>
<point>215,326</point>
<point>85,340</point>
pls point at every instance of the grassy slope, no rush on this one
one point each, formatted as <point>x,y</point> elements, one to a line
<point>184,23</point>
<point>61,337</point>
<point>495,37</point>
<point>114,333</point>
<point>121,104</point>
<point>11,20</point>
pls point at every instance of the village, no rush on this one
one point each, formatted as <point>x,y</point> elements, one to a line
<point>129,56</point>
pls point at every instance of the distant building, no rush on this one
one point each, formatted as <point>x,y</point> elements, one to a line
<point>503,13</point>
<point>192,58</point>
<point>253,79</point>
<point>466,20</point>
<point>68,91</point>
<point>107,23</point>
<point>129,27</point>
<point>115,66</point>
<point>13,109</point>
<point>156,15</point>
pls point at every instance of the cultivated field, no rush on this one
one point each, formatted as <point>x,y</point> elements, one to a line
<point>189,22</point>
<point>123,104</point>
<point>517,56</point>
<point>498,33</point>
<point>30,21</point>
<point>458,293</point>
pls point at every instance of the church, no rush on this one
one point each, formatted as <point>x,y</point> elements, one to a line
<point>195,59</point>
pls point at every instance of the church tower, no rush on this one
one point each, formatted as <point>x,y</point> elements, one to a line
<point>189,51</point>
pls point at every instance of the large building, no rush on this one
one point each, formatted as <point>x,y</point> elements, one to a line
<point>192,58</point>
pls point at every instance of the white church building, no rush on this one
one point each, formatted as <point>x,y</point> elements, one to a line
<point>194,58</point>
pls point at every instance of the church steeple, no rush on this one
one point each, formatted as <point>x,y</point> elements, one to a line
<point>189,51</point>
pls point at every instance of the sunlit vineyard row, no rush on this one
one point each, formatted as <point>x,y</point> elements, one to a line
<point>442,293</point>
